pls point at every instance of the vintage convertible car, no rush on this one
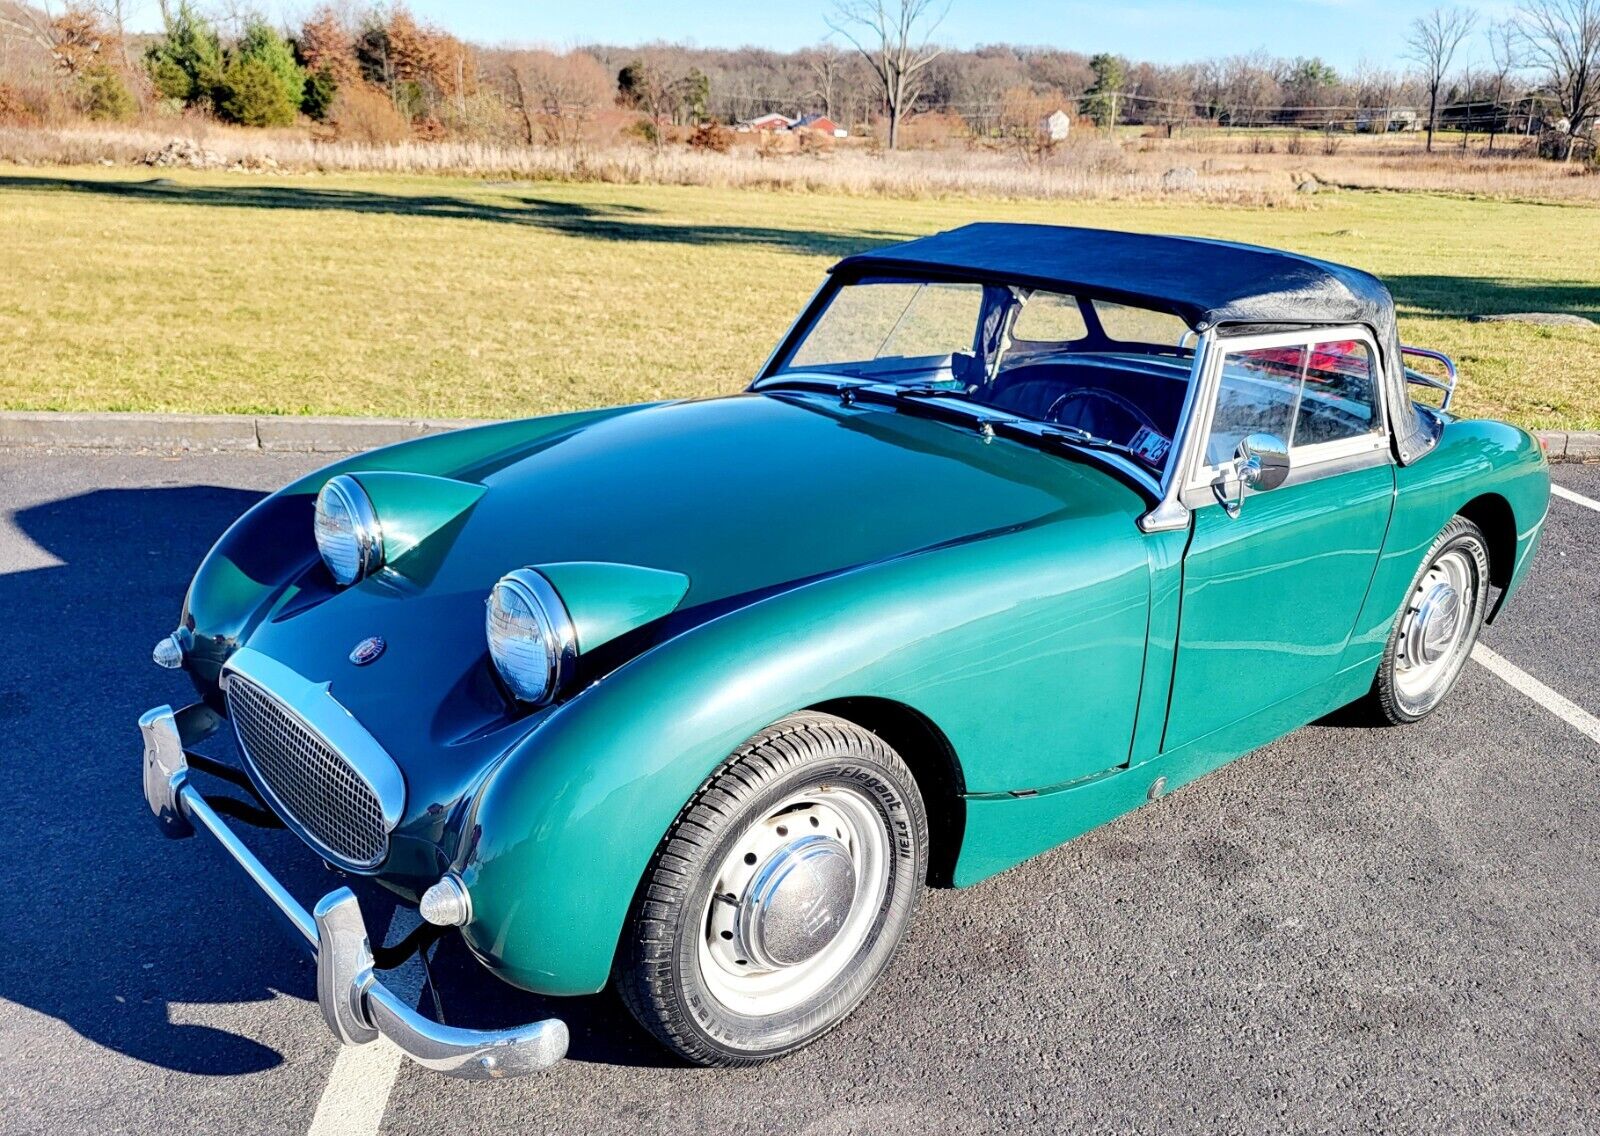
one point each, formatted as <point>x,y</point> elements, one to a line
<point>1019,528</point>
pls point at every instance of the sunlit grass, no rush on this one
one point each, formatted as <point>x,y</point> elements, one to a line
<point>439,297</point>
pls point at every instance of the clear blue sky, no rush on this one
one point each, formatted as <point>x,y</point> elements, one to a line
<point>1168,31</point>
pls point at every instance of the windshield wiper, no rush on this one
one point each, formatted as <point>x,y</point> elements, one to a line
<point>953,405</point>
<point>1076,436</point>
<point>930,392</point>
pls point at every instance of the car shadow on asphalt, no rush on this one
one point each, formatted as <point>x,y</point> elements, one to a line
<point>591,221</point>
<point>127,937</point>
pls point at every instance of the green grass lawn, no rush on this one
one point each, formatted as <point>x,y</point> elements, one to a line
<point>436,297</point>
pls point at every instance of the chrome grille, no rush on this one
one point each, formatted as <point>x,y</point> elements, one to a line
<point>312,784</point>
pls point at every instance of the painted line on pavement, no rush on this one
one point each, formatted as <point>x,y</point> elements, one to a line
<point>357,1093</point>
<point>1518,679</point>
<point>1576,498</point>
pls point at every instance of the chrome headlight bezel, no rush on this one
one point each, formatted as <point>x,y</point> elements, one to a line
<point>536,663</point>
<point>363,555</point>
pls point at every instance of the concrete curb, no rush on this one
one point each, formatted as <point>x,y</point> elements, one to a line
<point>309,435</point>
<point>213,432</point>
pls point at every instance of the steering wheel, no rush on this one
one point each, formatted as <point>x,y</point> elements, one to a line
<point>1105,414</point>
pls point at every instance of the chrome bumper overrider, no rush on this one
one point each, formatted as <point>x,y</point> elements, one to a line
<point>357,1006</point>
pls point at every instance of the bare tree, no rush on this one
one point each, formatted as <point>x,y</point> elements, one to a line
<point>1432,43</point>
<point>556,95</point>
<point>894,39</point>
<point>1505,60</point>
<point>1562,39</point>
<point>826,62</point>
<point>35,24</point>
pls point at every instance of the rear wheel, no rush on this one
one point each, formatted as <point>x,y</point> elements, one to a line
<point>1434,633</point>
<point>778,896</point>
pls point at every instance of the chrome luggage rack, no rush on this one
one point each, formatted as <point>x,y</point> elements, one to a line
<point>1447,384</point>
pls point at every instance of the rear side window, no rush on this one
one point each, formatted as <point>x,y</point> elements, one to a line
<point>1049,317</point>
<point>1140,325</point>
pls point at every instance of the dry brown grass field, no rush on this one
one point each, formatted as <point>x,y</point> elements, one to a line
<point>1259,167</point>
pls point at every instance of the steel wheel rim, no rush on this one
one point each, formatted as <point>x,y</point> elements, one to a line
<point>1435,626</point>
<point>846,820</point>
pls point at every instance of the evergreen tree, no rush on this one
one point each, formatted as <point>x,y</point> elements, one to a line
<point>187,64</point>
<point>261,44</point>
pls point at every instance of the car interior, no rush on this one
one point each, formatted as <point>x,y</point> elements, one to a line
<point>1116,372</point>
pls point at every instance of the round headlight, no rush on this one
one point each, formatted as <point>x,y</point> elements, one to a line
<point>531,637</point>
<point>347,530</point>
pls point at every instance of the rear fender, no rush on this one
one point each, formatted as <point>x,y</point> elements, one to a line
<point>1473,458</point>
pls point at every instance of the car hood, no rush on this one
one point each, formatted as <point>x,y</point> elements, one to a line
<point>740,495</point>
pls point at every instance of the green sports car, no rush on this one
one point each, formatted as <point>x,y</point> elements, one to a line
<point>1019,528</point>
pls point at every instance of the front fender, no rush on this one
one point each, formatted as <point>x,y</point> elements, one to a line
<point>564,829</point>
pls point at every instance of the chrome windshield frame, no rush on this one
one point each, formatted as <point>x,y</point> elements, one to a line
<point>1170,514</point>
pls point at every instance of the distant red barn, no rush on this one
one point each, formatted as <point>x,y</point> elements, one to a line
<point>822,124</point>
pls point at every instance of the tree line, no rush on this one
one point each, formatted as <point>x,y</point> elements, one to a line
<point>378,73</point>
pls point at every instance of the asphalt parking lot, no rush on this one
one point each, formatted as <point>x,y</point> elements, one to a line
<point>1351,930</point>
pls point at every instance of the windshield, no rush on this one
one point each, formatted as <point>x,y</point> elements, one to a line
<point>1111,372</point>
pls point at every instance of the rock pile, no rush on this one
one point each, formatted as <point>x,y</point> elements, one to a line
<point>185,152</point>
<point>189,154</point>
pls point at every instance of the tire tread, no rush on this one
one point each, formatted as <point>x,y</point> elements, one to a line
<point>643,973</point>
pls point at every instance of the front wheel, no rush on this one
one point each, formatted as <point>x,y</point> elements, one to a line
<point>1434,633</point>
<point>778,896</point>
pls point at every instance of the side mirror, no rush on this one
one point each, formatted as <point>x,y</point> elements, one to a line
<point>1261,463</point>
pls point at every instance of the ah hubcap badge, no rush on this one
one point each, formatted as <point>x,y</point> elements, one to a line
<point>368,650</point>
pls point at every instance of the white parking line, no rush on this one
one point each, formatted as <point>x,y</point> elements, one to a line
<point>1569,712</point>
<point>357,1092</point>
<point>1576,498</point>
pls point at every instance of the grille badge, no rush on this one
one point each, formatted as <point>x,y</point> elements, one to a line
<point>368,650</point>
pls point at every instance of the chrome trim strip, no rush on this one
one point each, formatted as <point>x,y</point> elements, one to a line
<point>313,703</point>
<point>356,1005</point>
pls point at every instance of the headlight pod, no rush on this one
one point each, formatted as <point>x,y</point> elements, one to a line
<point>531,637</point>
<point>346,526</point>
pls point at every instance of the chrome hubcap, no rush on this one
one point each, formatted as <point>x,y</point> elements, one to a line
<point>796,903</point>
<point>1435,625</point>
<point>793,901</point>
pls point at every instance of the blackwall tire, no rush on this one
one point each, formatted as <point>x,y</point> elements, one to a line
<point>1428,646</point>
<point>778,896</point>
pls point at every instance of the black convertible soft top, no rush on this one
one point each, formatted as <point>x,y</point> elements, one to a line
<point>1207,283</point>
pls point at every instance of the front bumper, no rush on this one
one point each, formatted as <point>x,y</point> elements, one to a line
<point>356,1005</point>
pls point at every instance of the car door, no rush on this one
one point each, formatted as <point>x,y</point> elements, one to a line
<point>1271,594</point>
